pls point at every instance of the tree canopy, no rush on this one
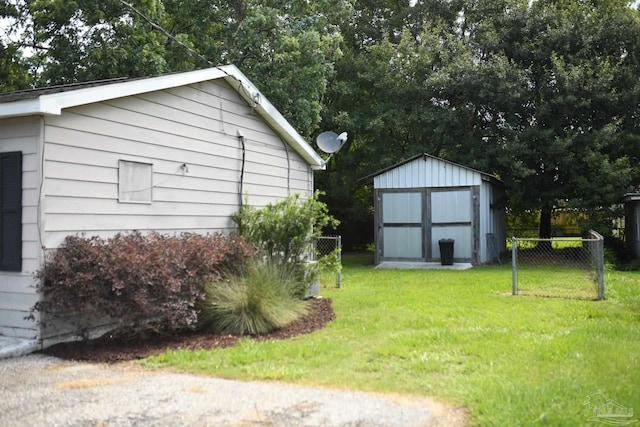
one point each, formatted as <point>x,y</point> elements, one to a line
<point>545,94</point>
<point>287,48</point>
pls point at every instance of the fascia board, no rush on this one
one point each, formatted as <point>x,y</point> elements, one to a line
<point>53,104</point>
<point>284,128</point>
<point>24,107</point>
<point>271,115</point>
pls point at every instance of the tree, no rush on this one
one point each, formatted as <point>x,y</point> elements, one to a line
<point>286,48</point>
<point>14,70</point>
<point>542,94</point>
<point>289,50</point>
<point>572,123</point>
<point>388,93</point>
<point>84,40</point>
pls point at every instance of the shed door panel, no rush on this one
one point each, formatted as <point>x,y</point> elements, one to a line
<point>402,242</point>
<point>451,218</point>
<point>462,236</point>
<point>402,208</point>
<point>402,225</point>
<point>451,206</point>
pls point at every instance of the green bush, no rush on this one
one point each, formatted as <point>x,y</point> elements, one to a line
<point>284,232</point>
<point>134,278</point>
<point>260,299</point>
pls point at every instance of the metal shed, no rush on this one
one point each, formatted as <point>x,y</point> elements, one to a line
<point>425,199</point>
<point>632,223</point>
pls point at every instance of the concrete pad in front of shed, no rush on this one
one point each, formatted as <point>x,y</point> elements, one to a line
<point>401,265</point>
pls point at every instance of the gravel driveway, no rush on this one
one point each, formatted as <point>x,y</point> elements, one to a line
<point>40,390</point>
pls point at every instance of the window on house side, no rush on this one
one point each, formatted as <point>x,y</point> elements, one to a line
<point>135,182</point>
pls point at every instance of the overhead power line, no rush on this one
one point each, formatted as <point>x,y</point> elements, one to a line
<point>165,32</point>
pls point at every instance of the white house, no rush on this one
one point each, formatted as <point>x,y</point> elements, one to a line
<point>425,199</point>
<point>171,153</point>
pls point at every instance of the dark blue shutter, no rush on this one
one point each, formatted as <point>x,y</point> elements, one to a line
<point>11,211</point>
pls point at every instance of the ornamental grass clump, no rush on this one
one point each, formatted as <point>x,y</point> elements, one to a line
<point>284,233</point>
<point>258,300</point>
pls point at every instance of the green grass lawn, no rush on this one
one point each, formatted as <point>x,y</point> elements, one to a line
<point>458,336</point>
<point>557,281</point>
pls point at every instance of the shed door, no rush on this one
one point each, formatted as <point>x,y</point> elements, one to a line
<point>401,225</point>
<point>452,218</point>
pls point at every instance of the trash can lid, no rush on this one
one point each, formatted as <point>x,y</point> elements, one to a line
<point>446,240</point>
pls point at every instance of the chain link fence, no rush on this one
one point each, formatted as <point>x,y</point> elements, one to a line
<point>567,267</point>
<point>329,246</point>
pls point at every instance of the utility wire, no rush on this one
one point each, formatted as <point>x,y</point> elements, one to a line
<point>165,32</point>
<point>241,86</point>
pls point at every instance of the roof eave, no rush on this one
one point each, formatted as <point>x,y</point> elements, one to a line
<point>26,107</point>
<point>272,116</point>
<point>53,104</point>
<point>630,197</point>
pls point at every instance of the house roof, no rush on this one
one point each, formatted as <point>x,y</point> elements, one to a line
<point>492,178</point>
<point>630,197</point>
<point>52,100</point>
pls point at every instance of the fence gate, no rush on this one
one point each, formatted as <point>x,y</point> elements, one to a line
<point>568,267</point>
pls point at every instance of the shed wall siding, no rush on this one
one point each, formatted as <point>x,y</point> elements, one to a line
<point>439,179</point>
<point>632,227</point>
<point>427,172</point>
<point>492,221</point>
<point>195,125</point>
<point>17,293</point>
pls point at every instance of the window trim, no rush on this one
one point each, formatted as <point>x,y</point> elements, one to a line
<point>148,186</point>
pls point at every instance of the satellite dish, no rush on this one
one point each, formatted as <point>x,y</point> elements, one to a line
<point>329,142</point>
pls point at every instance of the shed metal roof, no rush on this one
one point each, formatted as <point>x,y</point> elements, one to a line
<point>492,178</point>
<point>52,100</point>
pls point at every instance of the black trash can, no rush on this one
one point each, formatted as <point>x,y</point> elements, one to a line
<point>446,251</point>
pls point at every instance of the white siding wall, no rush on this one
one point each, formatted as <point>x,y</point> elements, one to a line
<point>195,125</point>
<point>17,292</point>
<point>427,172</point>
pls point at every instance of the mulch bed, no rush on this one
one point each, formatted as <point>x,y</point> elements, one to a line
<point>113,349</point>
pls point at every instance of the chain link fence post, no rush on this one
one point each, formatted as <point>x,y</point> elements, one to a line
<point>514,266</point>
<point>339,274</point>
<point>598,261</point>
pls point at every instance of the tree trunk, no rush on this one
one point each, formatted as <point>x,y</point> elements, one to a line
<point>545,227</point>
<point>545,223</point>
